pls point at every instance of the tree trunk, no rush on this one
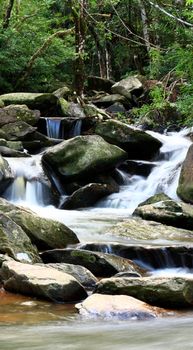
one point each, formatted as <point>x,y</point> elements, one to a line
<point>7,15</point>
<point>100,53</point>
<point>145,24</point>
<point>78,11</point>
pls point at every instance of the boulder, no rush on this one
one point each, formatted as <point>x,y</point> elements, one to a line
<point>185,185</point>
<point>138,144</point>
<point>122,307</point>
<point>82,156</point>
<point>14,113</point>
<point>128,86</point>
<point>87,196</point>
<point>168,292</point>
<point>17,131</point>
<point>41,101</point>
<point>62,92</point>
<point>6,176</point>
<point>41,282</point>
<point>100,264</point>
<point>108,100</point>
<point>44,233</point>
<point>82,275</point>
<point>168,212</point>
<point>15,242</point>
<point>139,229</point>
<point>99,84</point>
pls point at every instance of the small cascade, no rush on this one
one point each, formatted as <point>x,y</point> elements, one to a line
<point>29,184</point>
<point>163,177</point>
<point>76,128</point>
<point>53,127</point>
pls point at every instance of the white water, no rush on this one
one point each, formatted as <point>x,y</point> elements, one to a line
<point>66,330</point>
<point>90,223</point>
<point>163,178</point>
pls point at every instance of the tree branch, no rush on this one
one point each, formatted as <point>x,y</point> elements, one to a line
<point>38,52</point>
<point>170,15</point>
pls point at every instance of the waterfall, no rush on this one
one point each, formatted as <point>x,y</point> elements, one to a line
<point>28,185</point>
<point>53,127</point>
<point>163,177</point>
<point>76,128</point>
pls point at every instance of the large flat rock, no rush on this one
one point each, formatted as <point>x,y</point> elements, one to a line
<point>41,282</point>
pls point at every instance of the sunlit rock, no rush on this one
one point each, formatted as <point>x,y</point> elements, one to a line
<point>117,306</point>
<point>41,282</point>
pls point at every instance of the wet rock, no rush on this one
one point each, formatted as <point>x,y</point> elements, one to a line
<point>44,233</point>
<point>99,264</point>
<point>137,143</point>
<point>149,255</point>
<point>83,275</point>
<point>156,198</point>
<point>87,196</point>
<point>82,156</point>
<point>15,242</point>
<point>18,130</point>
<point>142,168</point>
<point>185,186</point>
<point>117,306</point>
<point>6,176</point>
<point>127,86</point>
<point>168,212</point>
<point>99,84</point>
<point>168,292</point>
<point>14,113</point>
<point>8,152</point>
<point>41,282</point>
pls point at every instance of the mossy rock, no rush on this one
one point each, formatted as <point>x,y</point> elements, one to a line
<point>14,113</point>
<point>100,264</point>
<point>44,233</point>
<point>185,185</point>
<point>82,156</point>
<point>17,131</point>
<point>6,176</point>
<point>168,292</point>
<point>168,212</point>
<point>32,100</point>
<point>138,144</point>
<point>156,198</point>
<point>1,104</point>
<point>15,242</point>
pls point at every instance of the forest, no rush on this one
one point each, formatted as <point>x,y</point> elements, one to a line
<point>46,45</point>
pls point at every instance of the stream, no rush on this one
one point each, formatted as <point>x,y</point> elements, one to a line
<point>30,324</point>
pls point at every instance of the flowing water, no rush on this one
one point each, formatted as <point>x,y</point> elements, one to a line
<point>28,324</point>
